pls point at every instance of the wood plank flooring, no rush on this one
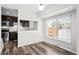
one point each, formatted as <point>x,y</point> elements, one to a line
<point>41,48</point>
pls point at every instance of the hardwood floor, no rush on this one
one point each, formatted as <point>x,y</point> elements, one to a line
<point>41,48</point>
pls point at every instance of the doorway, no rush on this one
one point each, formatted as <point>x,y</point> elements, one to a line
<point>9,27</point>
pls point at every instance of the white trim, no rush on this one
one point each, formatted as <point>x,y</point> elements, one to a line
<point>57,18</point>
<point>28,43</point>
<point>61,47</point>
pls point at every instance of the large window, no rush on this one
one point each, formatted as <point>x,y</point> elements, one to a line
<point>60,28</point>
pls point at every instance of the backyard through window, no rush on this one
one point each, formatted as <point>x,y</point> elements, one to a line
<point>60,28</point>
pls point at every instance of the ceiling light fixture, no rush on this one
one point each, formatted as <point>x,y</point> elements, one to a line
<point>41,7</point>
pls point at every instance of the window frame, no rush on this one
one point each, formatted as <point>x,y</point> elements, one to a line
<point>57,17</point>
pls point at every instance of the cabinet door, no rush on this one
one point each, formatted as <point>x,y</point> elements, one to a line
<point>12,36</point>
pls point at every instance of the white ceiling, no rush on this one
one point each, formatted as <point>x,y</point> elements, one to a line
<point>32,7</point>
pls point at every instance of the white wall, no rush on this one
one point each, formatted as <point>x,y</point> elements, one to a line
<point>1,43</point>
<point>59,9</point>
<point>29,36</point>
<point>77,28</point>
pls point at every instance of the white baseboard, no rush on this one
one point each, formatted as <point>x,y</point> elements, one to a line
<point>28,43</point>
<point>62,47</point>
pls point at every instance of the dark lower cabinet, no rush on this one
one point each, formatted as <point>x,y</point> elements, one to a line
<point>13,36</point>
